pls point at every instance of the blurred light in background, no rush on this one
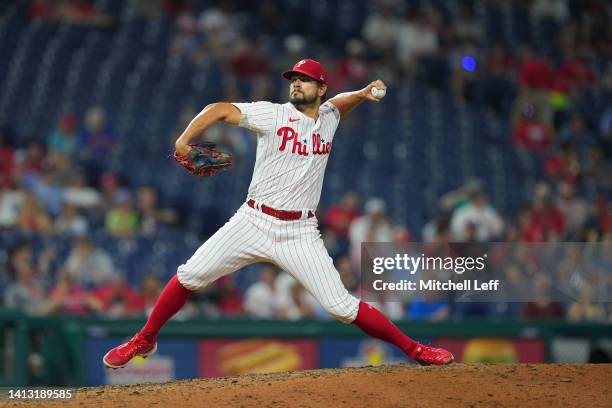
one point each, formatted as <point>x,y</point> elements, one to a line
<point>468,63</point>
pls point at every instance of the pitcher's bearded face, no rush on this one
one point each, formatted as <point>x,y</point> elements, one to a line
<point>303,90</point>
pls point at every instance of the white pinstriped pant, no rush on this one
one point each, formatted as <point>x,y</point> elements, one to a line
<point>251,236</point>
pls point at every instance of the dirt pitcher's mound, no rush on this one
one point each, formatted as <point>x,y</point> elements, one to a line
<point>461,385</point>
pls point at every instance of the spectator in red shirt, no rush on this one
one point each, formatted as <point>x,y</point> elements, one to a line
<point>574,70</point>
<point>548,219</point>
<point>543,307</point>
<point>529,231</point>
<point>41,9</point>
<point>32,162</point>
<point>536,80</point>
<point>353,69</point>
<point>402,234</point>
<point>118,299</point>
<point>7,159</point>
<point>563,165</point>
<point>249,62</point>
<point>71,299</point>
<point>530,133</point>
<point>338,218</point>
<point>606,220</point>
<point>77,12</point>
<point>251,68</point>
<point>544,221</point>
<point>174,7</point>
<point>535,72</point>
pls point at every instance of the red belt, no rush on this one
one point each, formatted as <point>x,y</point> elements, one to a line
<point>280,214</point>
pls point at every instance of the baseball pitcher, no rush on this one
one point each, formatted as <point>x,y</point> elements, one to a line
<point>277,222</point>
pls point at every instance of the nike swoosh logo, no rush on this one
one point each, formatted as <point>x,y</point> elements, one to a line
<point>293,119</point>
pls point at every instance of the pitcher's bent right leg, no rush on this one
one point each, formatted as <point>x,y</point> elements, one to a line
<point>237,244</point>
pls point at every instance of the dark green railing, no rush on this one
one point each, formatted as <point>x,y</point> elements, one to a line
<point>62,340</point>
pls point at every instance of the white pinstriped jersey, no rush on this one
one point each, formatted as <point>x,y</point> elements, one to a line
<point>292,153</point>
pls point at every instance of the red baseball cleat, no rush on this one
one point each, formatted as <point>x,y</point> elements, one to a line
<point>425,355</point>
<point>136,346</point>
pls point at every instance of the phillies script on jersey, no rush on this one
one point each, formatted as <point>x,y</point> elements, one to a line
<point>292,153</point>
<point>290,135</point>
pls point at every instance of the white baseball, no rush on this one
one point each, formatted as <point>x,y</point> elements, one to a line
<point>378,93</point>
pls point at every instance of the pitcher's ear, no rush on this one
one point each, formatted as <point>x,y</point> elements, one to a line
<point>322,89</point>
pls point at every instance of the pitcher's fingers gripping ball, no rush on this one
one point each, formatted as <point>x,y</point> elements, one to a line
<point>379,93</point>
<point>204,160</point>
<point>377,90</point>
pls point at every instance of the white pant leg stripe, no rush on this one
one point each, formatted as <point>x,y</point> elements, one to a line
<point>291,263</point>
<point>339,300</point>
<point>318,274</point>
<point>206,258</point>
<point>322,276</point>
<point>338,297</point>
<point>302,270</point>
<point>263,225</point>
<point>250,234</point>
<point>240,257</point>
<point>267,222</point>
<point>219,241</point>
<point>216,257</point>
<point>285,256</point>
<point>263,244</point>
<point>314,266</point>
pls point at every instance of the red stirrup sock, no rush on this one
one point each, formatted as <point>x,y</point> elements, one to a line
<point>376,324</point>
<point>172,299</point>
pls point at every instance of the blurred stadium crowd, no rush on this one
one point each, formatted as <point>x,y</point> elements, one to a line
<point>94,218</point>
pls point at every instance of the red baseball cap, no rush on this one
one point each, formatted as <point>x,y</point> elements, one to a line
<point>310,68</point>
